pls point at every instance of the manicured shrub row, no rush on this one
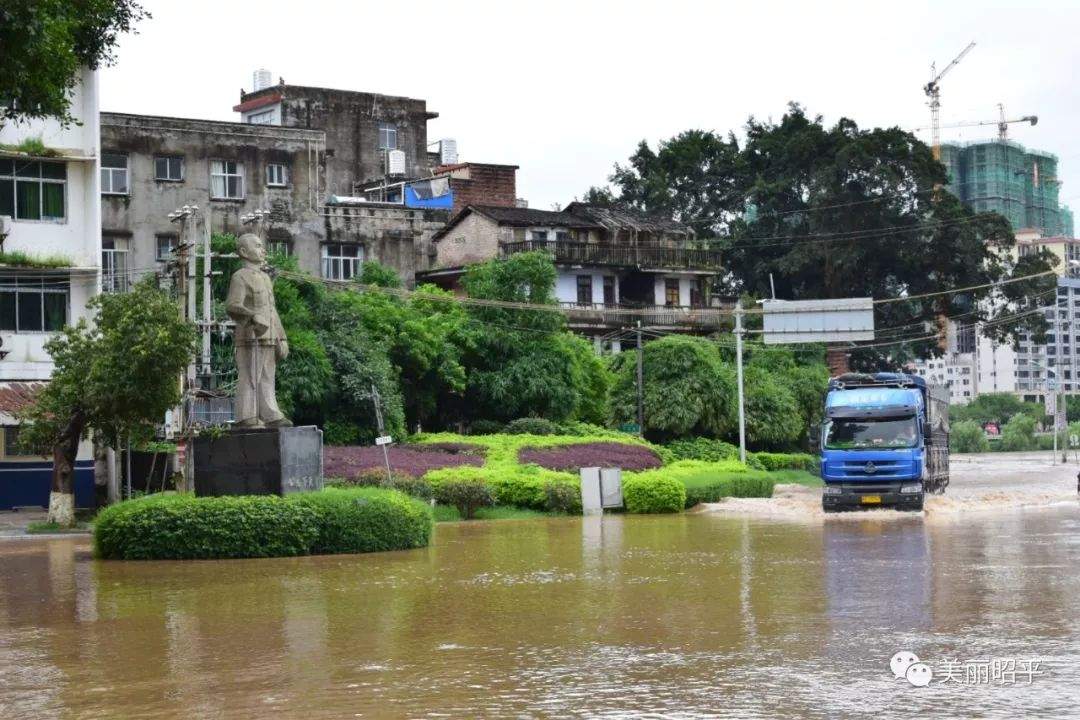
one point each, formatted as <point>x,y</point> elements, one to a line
<point>653,492</point>
<point>349,461</point>
<point>753,483</point>
<point>788,461</point>
<point>531,426</point>
<point>335,520</point>
<point>707,450</point>
<point>523,486</point>
<point>594,454</point>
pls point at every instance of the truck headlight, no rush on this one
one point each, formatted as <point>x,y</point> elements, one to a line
<point>832,490</point>
<point>911,489</point>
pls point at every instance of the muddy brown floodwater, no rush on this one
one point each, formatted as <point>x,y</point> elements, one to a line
<point>746,609</point>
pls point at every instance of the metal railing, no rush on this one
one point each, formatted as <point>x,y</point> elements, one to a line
<point>643,256</point>
<point>680,316</point>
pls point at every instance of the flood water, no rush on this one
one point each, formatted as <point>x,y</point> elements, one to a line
<point>748,611</point>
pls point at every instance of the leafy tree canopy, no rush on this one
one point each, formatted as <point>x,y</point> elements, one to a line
<point>45,43</point>
<point>841,211</point>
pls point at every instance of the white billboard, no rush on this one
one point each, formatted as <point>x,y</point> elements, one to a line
<point>818,321</point>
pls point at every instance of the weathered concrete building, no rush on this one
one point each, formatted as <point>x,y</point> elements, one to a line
<point>615,267</point>
<point>361,129</point>
<point>449,187</point>
<point>153,165</point>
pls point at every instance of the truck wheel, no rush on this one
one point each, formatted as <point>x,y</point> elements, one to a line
<point>828,508</point>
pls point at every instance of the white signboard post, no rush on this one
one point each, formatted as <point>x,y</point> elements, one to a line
<point>815,321</point>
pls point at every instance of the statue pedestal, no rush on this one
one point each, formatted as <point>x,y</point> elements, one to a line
<point>259,461</point>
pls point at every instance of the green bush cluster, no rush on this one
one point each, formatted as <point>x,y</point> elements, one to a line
<point>967,436</point>
<point>563,498</point>
<point>376,477</point>
<point>531,426</point>
<point>485,427</point>
<point>707,450</point>
<point>749,484</point>
<point>467,496</point>
<point>653,492</point>
<point>787,461</point>
<point>335,520</point>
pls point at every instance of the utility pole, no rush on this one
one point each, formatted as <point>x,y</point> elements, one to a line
<point>376,398</point>
<point>739,379</point>
<point>640,383</point>
<point>207,298</point>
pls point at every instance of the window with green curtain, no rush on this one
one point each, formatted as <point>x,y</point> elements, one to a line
<point>52,205</point>
<point>28,200</point>
<point>7,197</point>
<point>55,310</point>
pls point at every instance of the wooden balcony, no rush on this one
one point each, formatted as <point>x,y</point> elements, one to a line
<point>663,316</point>
<point>660,257</point>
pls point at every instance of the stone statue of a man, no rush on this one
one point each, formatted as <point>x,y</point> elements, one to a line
<point>259,338</point>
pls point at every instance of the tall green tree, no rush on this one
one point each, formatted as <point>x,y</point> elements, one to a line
<point>116,375</point>
<point>839,211</point>
<point>687,389</point>
<point>521,362</point>
<point>45,43</point>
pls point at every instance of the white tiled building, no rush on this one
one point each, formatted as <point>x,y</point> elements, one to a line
<point>51,216</point>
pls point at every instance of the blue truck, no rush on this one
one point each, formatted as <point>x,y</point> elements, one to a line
<point>884,441</point>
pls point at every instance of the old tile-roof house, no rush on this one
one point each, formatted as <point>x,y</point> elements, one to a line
<point>615,266</point>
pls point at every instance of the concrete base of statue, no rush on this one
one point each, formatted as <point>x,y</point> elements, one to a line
<point>259,461</point>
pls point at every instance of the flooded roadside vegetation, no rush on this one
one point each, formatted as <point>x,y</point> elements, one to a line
<point>709,613</point>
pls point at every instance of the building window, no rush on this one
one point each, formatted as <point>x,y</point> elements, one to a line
<point>341,261</point>
<point>169,169</point>
<point>538,235</point>
<point>281,247</point>
<point>114,174</point>
<point>262,118</point>
<point>12,445</point>
<point>584,289</point>
<point>562,235</point>
<point>113,266</point>
<point>226,180</point>
<point>277,175</point>
<point>166,246</point>
<point>609,290</point>
<point>32,190</point>
<point>671,292</point>
<point>33,305</point>
<point>387,136</point>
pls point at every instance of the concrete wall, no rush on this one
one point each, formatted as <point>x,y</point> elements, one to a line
<point>137,218</point>
<point>475,239</point>
<point>351,122</point>
<point>566,284</point>
<point>76,237</point>
<point>685,283</point>
<point>393,235</point>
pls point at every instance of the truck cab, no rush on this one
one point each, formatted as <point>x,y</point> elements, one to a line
<point>884,442</point>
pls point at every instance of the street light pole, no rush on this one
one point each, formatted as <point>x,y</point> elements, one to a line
<point>739,379</point>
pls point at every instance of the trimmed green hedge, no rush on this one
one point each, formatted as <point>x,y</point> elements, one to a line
<point>335,520</point>
<point>653,491</point>
<point>788,461</point>
<point>750,484</point>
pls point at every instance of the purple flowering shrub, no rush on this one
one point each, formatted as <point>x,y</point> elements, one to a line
<point>414,460</point>
<point>594,454</point>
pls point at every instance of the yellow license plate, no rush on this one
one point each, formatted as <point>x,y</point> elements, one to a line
<point>871,500</point>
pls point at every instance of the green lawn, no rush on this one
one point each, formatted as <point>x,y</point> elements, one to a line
<point>46,528</point>
<point>797,477</point>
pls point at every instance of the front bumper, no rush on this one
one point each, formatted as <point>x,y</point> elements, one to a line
<point>854,497</point>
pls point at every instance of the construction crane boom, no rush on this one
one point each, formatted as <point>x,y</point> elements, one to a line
<point>933,91</point>
<point>1002,124</point>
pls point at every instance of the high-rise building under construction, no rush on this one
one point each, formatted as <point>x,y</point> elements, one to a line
<point>1005,177</point>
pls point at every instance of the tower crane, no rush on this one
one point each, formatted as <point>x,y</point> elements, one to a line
<point>1002,123</point>
<point>933,91</point>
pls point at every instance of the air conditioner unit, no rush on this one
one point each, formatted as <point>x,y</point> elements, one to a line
<point>395,162</point>
<point>448,151</point>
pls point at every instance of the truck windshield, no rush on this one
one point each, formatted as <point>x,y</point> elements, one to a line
<point>843,434</point>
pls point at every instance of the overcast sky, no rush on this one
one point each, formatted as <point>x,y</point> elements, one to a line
<point>566,89</point>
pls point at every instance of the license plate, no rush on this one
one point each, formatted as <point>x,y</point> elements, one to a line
<point>871,500</point>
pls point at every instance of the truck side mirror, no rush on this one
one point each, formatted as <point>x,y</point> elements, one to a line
<point>927,432</point>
